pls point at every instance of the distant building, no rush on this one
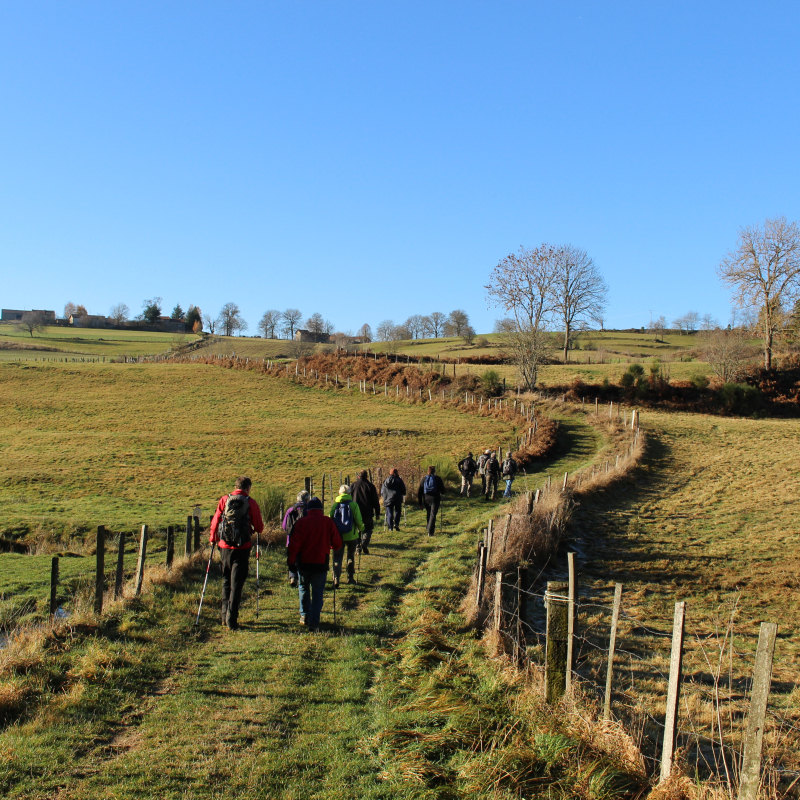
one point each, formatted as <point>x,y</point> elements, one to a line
<point>301,335</point>
<point>90,321</point>
<point>14,315</point>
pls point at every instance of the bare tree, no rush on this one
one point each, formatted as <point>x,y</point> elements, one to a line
<point>415,325</point>
<point>764,271</point>
<point>659,326</point>
<point>80,310</point>
<point>315,324</point>
<point>436,322</point>
<point>269,321</point>
<point>504,325</point>
<point>32,322</point>
<point>241,326</point>
<point>70,309</point>
<point>727,353</point>
<point>365,333</point>
<point>457,321</point>
<point>579,291</point>
<point>290,319</point>
<point>708,323</point>
<point>301,349</point>
<point>328,328</point>
<point>692,318</point>
<point>468,335</point>
<point>386,330</point>
<point>119,313</point>
<point>229,319</point>
<point>522,285</point>
<point>679,323</point>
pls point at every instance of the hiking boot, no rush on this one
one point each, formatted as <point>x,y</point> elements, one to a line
<point>350,579</point>
<point>365,550</point>
<point>335,583</point>
<point>302,619</point>
<point>224,615</point>
<point>293,582</point>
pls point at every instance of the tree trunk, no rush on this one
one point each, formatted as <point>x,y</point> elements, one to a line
<point>566,344</point>
<point>768,350</point>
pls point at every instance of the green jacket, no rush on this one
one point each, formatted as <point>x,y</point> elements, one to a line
<point>358,523</point>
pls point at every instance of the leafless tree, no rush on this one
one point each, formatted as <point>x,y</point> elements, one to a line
<point>229,319</point>
<point>457,321</point>
<point>522,285</point>
<point>385,330</point>
<point>299,349</point>
<point>504,325</point>
<point>70,309</point>
<point>119,313</point>
<point>290,318</point>
<point>692,318</point>
<point>328,328</point>
<point>727,353</point>
<point>365,333</point>
<point>468,334</point>
<point>436,322</point>
<point>679,323</point>
<point>415,325</point>
<point>315,324</point>
<point>269,321</point>
<point>579,291</point>
<point>708,323</point>
<point>32,322</point>
<point>764,271</point>
<point>659,326</point>
<point>241,326</point>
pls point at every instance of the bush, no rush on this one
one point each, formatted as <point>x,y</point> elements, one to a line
<point>269,499</point>
<point>739,398</point>
<point>492,383</point>
<point>699,381</point>
<point>446,469</point>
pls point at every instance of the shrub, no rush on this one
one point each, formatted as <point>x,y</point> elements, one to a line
<point>492,383</point>
<point>269,499</point>
<point>739,398</point>
<point>699,381</point>
<point>446,468</point>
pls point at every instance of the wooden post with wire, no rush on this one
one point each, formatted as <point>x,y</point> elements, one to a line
<point>556,645</point>
<point>141,560</point>
<point>170,546</point>
<point>673,691</point>
<point>100,567</point>
<point>188,548</point>
<point>196,520</point>
<point>612,646</point>
<point>120,566</point>
<point>53,587</point>
<point>570,622</point>
<point>522,615</point>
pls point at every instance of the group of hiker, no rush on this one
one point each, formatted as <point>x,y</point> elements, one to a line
<point>490,470</point>
<point>346,531</point>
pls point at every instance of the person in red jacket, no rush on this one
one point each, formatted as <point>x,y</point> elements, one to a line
<point>313,538</point>
<point>237,516</point>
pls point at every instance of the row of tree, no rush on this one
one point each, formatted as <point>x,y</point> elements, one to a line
<point>429,326</point>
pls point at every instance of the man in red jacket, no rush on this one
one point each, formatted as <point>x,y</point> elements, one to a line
<point>313,538</point>
<point>237,516</point>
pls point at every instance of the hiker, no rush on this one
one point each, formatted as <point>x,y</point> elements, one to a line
<point>393,492</point>
<point>467,467</point>
<point>294,513</point>
<point>236,517</point>
<point>365,495</point>
<point>508,471</point>
<point>429,494</point>
<point>313,538</point>
<point>492,470</point>
<point>347,516</point>
<point>482,469</point>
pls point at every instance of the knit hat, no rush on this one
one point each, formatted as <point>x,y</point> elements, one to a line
<point>314,502</point>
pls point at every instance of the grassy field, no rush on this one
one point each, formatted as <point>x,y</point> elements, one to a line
<point>59,342</point>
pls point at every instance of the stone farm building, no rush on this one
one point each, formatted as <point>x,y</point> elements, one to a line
<point>15,315</point>
<point>301,335</point>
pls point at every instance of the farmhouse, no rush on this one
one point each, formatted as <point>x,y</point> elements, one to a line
<point>15,315</point>
<point>302,335</point>
<point>90,321</point>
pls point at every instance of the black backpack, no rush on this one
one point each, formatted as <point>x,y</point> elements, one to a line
<point>234,523</point>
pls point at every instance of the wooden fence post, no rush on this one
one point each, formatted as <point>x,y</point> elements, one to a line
<point>188,548</point>
<point>140,562</point>
<point>505,530</point>
<point>754,735</point>
<point>53,587</point>
<point>170,546</point>
<point>570,622</point>
<point>308,486</point>
<point>196,533</point>
<point>99,578</point>
<point>120,566</point>
<point>498,601</point>
<point>489,540</point>
<point>556,645</point>
<point>481,572</point>
<point>673,691</point>
<point>612,646</point>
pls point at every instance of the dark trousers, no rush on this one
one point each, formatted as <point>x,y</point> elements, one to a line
<point>394,511</point>
<point>366,534</point>
<point>431,509</point>
<point>235,566</point>
<point>338,557</point>
<point>491,486</point>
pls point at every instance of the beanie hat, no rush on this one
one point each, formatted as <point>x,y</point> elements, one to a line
<point>314,502</point>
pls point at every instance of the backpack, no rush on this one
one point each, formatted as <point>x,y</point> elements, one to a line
<point>429,486</point>
<point>343,517</point>
<point>234,522</point>
<point>294,513</point>
<point>509,468</point>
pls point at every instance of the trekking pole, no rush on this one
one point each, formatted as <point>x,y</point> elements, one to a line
<point>334,602</point>
<point>258,577</point>
<point>205,583</point>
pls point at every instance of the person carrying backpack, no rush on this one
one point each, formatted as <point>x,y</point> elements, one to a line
<point>294,513</point>
<point>482,469</point>
<point>236,517</point>
<point>508,471</point>
<point>347,516</point>
<point>313,538</point>
<point>429,494</point>
<point>365,495</point>
<point>393,492</point>
<point>492,470</point>
<point>467,467</point>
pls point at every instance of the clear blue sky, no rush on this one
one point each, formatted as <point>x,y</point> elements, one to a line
<point>373,160</point>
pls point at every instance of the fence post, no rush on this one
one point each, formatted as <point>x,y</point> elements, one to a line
<point>308,486</point>
<point>120,566</point>
<point>99,579</point>
<point>170,546</point>
<point>196,533</point>
<point>498,601</point>
<point>673,691</point>
<point>612,646</point>
<point>556,645</point>
<point>53,586</point>
<point>522,613</point>
<point>489,540</point>
<point>530,503</point>
<point>762,676</point>
<point>140,562</point>
<point>570,621</point>
<point>188,548</point>
<point>481,572</point>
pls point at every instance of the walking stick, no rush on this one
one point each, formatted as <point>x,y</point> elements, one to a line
<point>205,583</point>
<point>334,602</point>
<point>258,577</point>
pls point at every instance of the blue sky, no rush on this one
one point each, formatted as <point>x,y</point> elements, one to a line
<point>373,160</point>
